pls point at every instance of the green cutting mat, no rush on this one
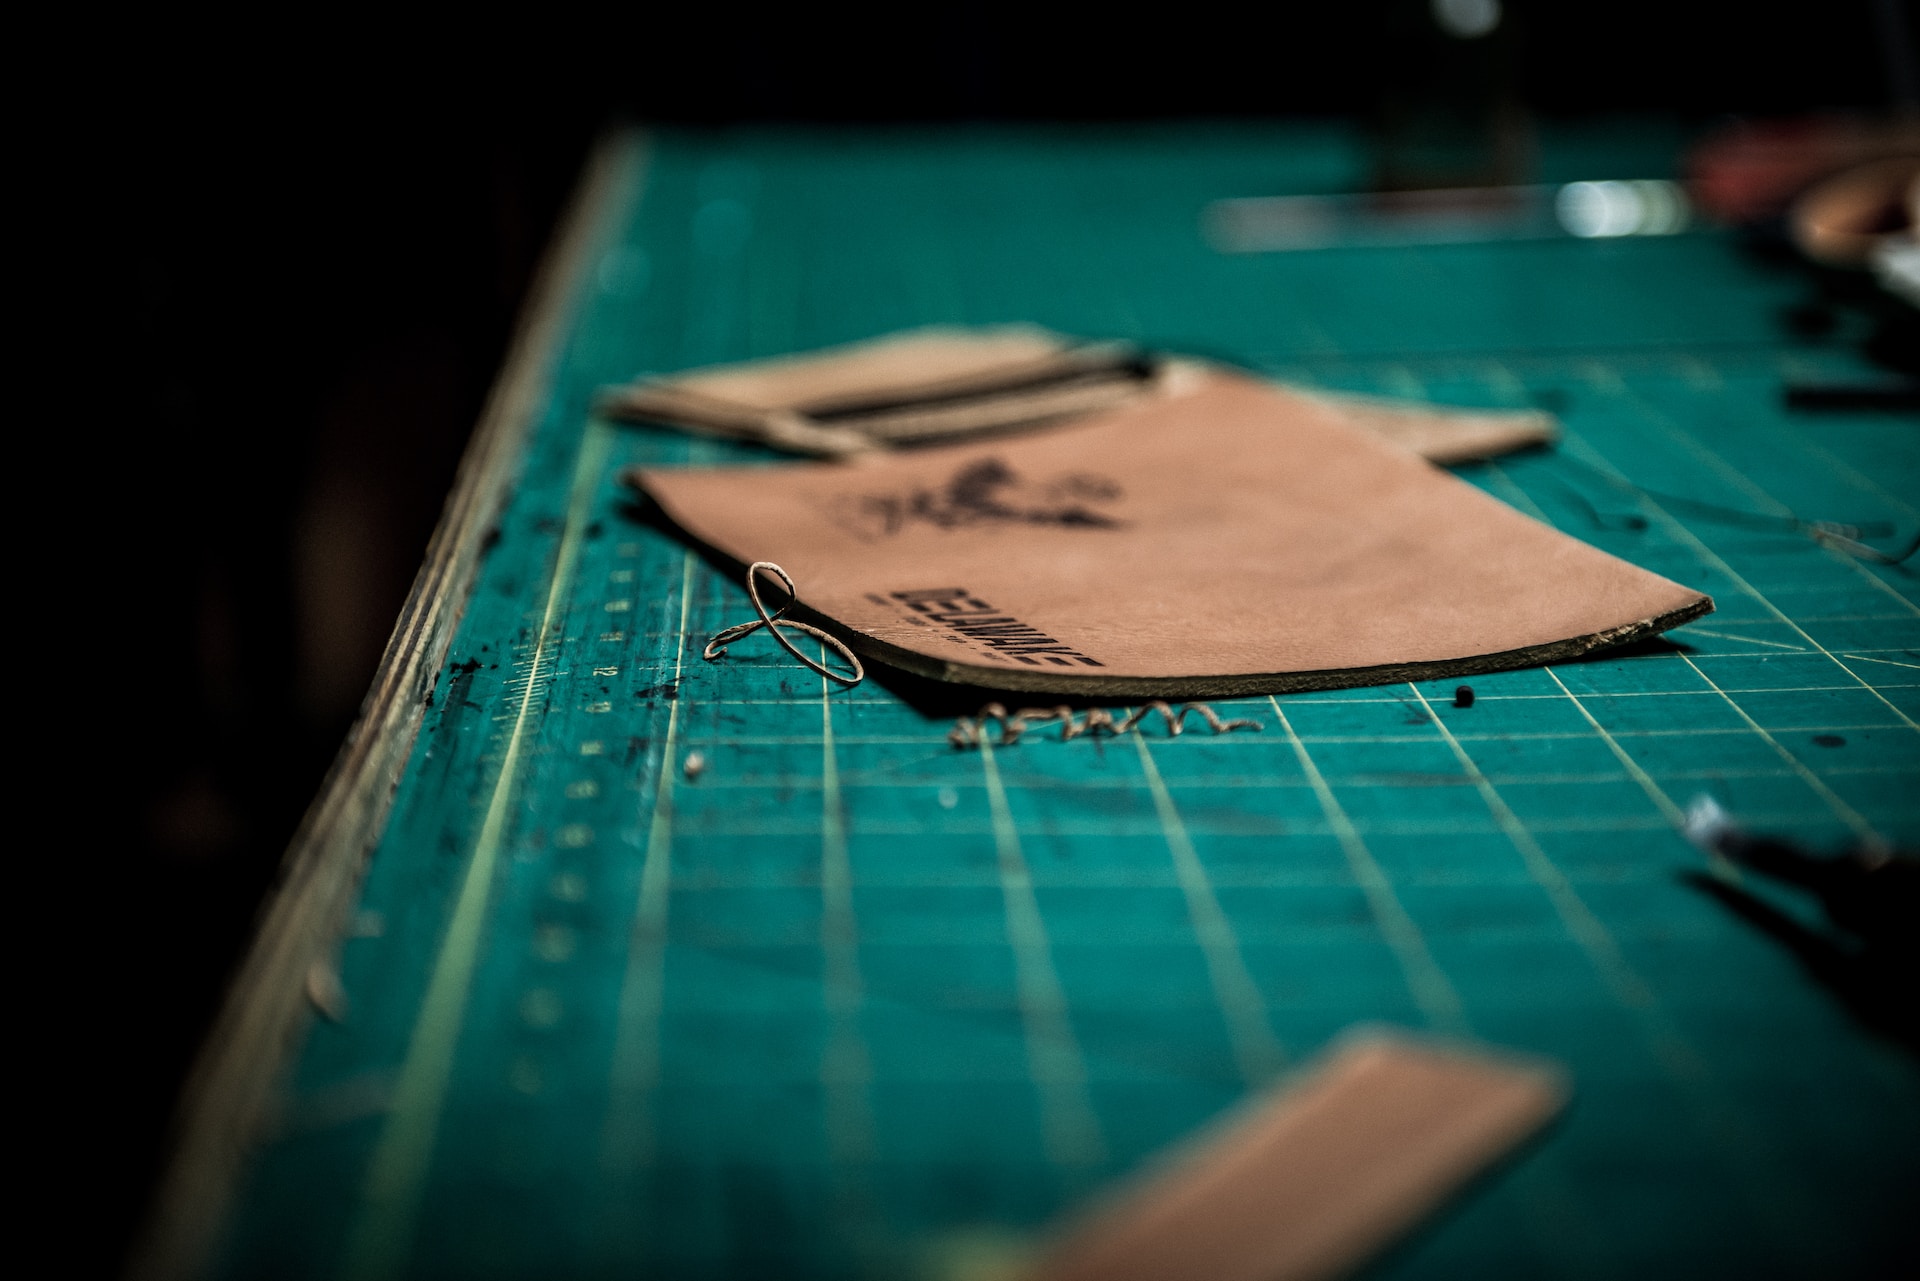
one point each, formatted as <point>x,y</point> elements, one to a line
<point>853,1002</point>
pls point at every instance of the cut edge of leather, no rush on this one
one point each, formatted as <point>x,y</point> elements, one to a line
<point>1250,685</point>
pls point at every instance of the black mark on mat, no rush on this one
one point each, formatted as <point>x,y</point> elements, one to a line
<point>459,685</point>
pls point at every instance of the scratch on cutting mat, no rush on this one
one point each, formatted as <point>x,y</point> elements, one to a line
<point>1745,640</point>
<point>970,731</point>
<point>1890,662</point>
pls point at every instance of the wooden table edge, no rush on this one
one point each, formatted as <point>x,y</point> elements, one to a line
<point>228,1093</point>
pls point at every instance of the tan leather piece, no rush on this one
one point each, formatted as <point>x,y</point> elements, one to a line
<point>1240,539</point>
<point>924,384</point>
<point>895,365</point>
<point>948,383</point>
<point>1311,1181</point>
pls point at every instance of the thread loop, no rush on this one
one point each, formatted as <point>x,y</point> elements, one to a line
<point>779,625</point>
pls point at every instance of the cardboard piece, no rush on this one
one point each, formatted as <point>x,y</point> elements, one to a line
<point>1310,1181</point>
<point>1239,539</point>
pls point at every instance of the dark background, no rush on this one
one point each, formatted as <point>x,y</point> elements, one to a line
<point>322,238</point>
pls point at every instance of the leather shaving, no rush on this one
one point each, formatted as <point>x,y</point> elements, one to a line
<point>969,732</point>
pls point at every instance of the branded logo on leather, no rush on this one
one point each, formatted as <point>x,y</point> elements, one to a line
<point>980,624</point>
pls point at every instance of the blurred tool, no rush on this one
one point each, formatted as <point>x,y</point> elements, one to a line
<point>1869,894</point>
<point>1844,220</point>
<point>1749,171</point>
<point>1848,216</point>
<point>1465,215</point>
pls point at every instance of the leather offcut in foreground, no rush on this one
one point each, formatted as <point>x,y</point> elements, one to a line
<point>1239,539</point>
<point>1310,1181</point>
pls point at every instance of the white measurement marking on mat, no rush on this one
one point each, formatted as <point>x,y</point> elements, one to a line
<point>380,1238</point>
